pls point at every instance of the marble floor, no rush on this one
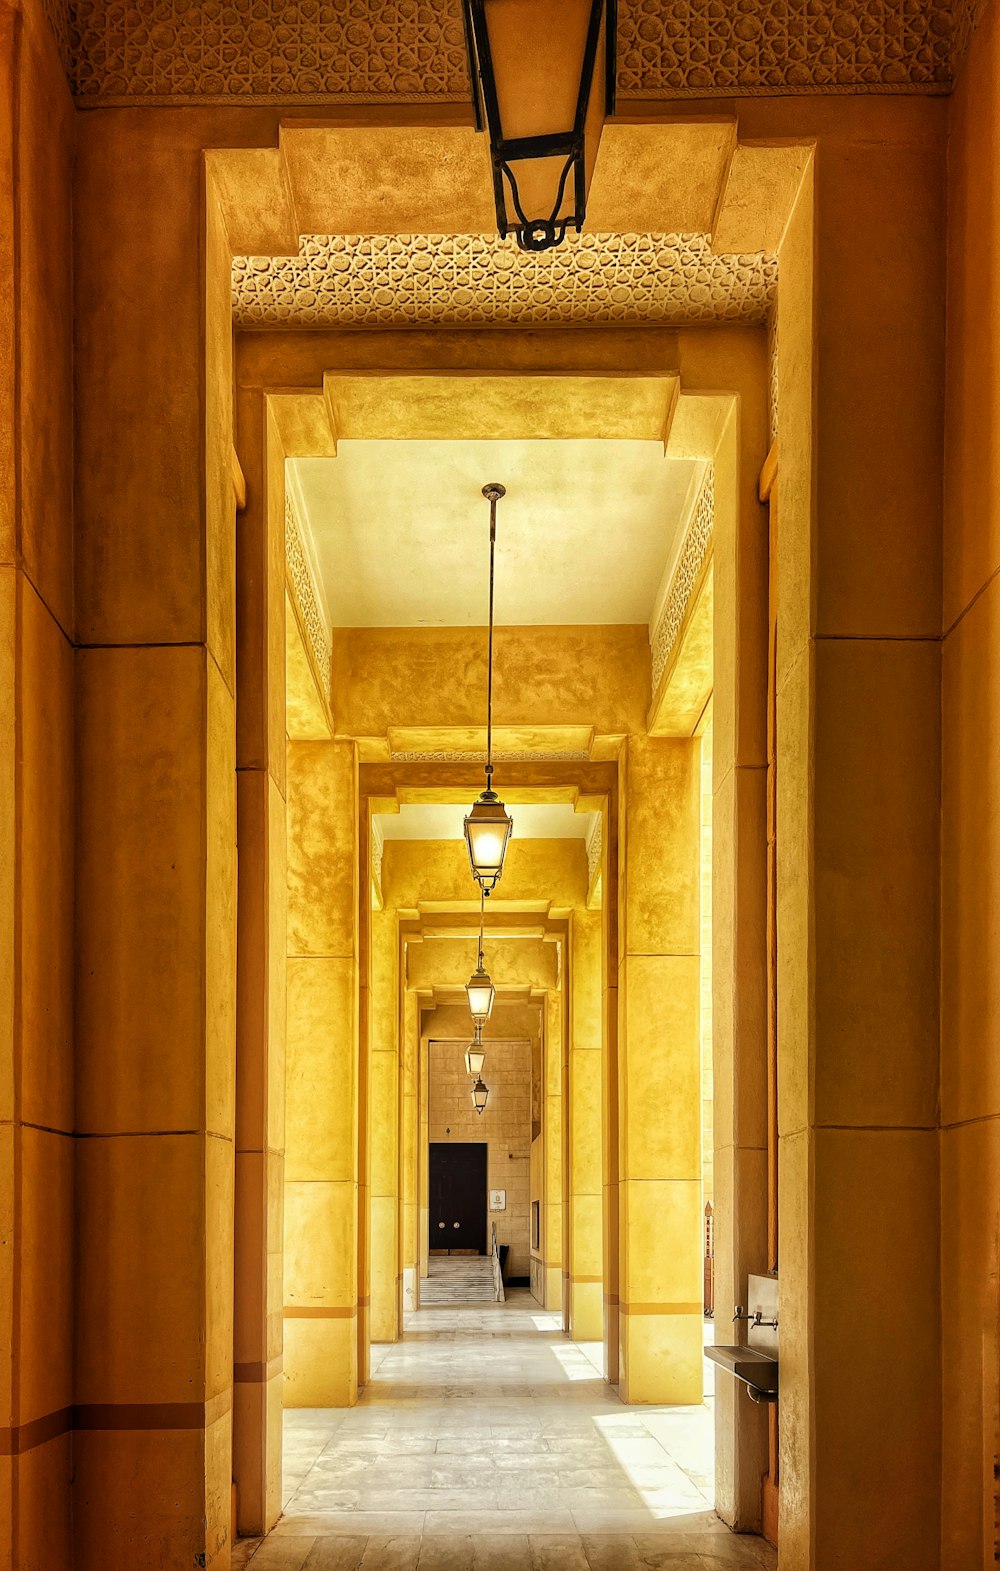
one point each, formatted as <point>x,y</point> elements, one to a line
<point>487,1441</point>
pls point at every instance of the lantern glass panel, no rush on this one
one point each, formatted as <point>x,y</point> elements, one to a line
<point>475,1058</point>
<point>487,831</point>
<point>481,993</point>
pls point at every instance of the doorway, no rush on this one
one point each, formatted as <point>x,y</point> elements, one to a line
<point>458,1197</point>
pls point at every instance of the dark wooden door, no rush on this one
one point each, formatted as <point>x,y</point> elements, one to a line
<point>458,1196</point>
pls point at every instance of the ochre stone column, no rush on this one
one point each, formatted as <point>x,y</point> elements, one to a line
<point>970,1018</point>
<point>659,1072</point>
<point>410,1208</point>
<point>585,1242</point>
<point>321,1113</point>
<point>36,795</point>
<point>609,1088</point>
<point>156,853</point>
<point>553,1142</point>
<point>260,1002</point>
<point>383,1124</point>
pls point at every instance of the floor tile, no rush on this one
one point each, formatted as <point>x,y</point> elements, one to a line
<point>504,1552</point>
<point>446,1552</point>
<point>391,1554</point>
<point>335,1554</point>
<point>486,1440</point>
<point>282,1554</point>
<point>564,1552</point>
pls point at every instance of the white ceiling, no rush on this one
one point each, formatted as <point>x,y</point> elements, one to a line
<point>399,530</point>
<point>444,821</point>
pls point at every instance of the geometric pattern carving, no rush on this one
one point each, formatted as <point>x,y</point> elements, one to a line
<point>473,756</point>
<point>299,577</point>
<point>964,21</point>
<point>695,47</point>
<point>378,851</point>
<point>694,549</point>
<point>481,280</point>
<point>594,847</point>
<point>358,51</point>
<point>772,372</point>
<point>58,14</point>
<point>247,50</point>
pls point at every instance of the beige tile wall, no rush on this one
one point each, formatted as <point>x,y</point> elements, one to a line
<point>505,1126</point>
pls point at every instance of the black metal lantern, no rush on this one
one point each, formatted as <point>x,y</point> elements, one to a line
<point>480,1095</point>
<point>543,74</point>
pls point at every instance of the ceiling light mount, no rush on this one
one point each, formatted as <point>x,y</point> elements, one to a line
<point>543,75</point>
<point>488,826</point>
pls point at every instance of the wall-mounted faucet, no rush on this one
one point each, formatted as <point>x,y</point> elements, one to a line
<point>756,1319</point>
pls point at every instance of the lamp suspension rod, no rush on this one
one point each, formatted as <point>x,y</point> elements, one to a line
<point>489,670</point>
<point>482,910</point>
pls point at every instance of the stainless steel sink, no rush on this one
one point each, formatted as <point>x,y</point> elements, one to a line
<point>756,1369</point>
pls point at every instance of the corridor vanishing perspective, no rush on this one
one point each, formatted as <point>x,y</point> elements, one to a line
<point>488,1441</point>
<point>499,785</point>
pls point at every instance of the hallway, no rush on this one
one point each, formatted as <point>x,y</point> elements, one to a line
<point>487,1439</point>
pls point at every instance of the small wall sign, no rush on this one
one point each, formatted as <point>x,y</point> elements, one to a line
<point>498,1199</point>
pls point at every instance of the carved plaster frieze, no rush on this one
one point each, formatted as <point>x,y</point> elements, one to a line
<point>456,756</point>
<point>772,372</point>
<point>377,853</point>
<point>690,559</point>
<point>696,48</point>
<point>361,51</point>
<point>245,51</point>
<point>481,280</point>
<point>966,15</point>
<point>595,845</point>
<point>58,15</point>
<point>305,593</point>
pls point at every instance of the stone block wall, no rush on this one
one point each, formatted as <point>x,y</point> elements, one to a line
<point>505,1126</point>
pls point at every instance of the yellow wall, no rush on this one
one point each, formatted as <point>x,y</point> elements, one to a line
<point>705,979</point>
<point>589,677</point>
<point>383,1127</point>
<point>584,1222</point>
<point>970,1014</point>
<point>659,1072</point>
<point>322,1074</point>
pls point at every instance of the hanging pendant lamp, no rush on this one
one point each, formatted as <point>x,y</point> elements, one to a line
<point>488,826</point>
<point>479,987</point>
<point>544,82</point>
<point>475,1055</point>
<point>480,1095</point>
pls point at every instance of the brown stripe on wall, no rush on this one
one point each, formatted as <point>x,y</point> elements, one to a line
<point>20,1438</point>
<point>320,1312</point>
<point>151,1415</point>
<point>662,1309</point>
<point>257,1374</point>
<point>37,1432</point>
<point>597,1279</point>
<point>612,1299</point>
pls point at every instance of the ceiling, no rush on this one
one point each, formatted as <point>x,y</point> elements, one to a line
<point>444,821</point>
<point>398,530</point>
